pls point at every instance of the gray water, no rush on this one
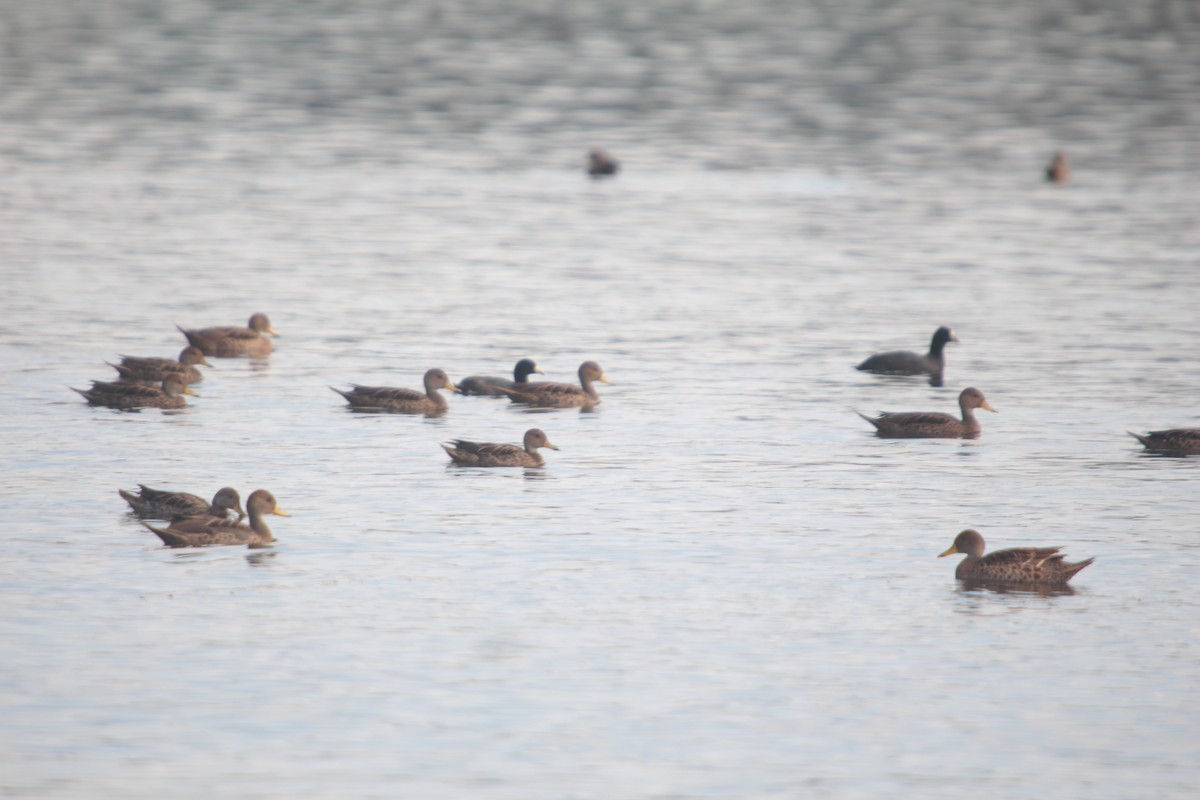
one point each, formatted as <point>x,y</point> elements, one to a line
<point>723,585</point>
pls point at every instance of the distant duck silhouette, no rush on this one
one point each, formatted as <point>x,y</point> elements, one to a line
<point>488,385</point>
<point>1056,170</point>
<point>1030,565</point>
<point>601,163</point>
<point>1174,441</point>
<point>906,362</point>
<point>933,424</point>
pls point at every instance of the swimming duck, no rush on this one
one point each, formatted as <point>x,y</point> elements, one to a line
<point>561,395</point>
<point>1174,441</point>
<point>230,340</point>
<point>1057,170</point>
<point>906,362</point>
<point>601,163</point>
<point>159,504</point>
<point>402,401</point>
<point>486,385</point>
<point>131,396</point>
<point>932,424</point>
<point>209,531</point>
<point>134,368</point>
<point>1015,565</point>
<point>491,454</point>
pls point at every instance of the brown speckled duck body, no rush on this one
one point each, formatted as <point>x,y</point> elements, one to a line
<point>492,454</point>
<point>160,504</point>
<point>232,341</point>
<point>402,401</point>
<point>210,531</point>
<point>1173,441</point>
<point>156,370</point>
<point>932,424</point>
<point>561,395</point>
<point>1029,565</point>
<point>128,396</point>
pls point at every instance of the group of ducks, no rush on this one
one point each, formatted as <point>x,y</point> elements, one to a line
<point>197,522</point>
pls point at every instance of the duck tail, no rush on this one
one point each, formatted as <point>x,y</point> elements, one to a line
<point>1073,569</point>
<point>874,422</point>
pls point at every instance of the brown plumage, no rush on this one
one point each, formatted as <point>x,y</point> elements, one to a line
<point>210,531</point>
<point>159,504</point>
<point>561,395</point>
<point>1043,565</point>
<point>155,370</point>
<point>492,454</point>
<point>132,396</point>
<point>932,424</point>
<point>1174,441</point>
<point>231,341</point>
<point>489,385</point>
<point>402,401</point>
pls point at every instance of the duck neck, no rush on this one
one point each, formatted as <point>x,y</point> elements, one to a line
<point>260,526</point>
<point>968,420</point>
<point>588,388</point>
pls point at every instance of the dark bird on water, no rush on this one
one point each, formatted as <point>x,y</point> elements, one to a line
<point>906,362</point>
<point>488,385</point>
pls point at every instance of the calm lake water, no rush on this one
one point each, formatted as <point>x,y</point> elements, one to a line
<point>723,585</point>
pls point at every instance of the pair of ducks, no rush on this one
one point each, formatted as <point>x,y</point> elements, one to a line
<point>543,394</point>
<point>163,382</point>
<point>195,522</point>
<point>922,424</point>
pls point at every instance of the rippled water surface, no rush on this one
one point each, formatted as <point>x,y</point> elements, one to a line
<point>722,585</point>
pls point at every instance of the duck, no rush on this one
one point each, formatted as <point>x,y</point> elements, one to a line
<point>1057,170</point>
<point>132,396</point>
<point>486,385</point>
<point>906,362</point>
<point>231,341</point>
<point>932,424</point>
<point>402,401</point>
<point>136,368</point>
<point>1174,441</point>
<point>492,454</point>
<point>601,163</point>
<point>210,531</point>
<point>1041,565</point>
<point>561,395</point>
<point>160,504</point>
